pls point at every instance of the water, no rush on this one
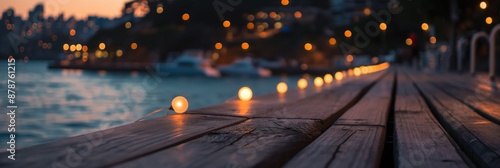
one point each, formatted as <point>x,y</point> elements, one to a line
<point>60,103</point>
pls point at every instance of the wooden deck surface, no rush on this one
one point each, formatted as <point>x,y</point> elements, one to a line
<point>398,116</point>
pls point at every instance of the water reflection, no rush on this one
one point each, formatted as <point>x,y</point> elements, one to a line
<point>59,103</point>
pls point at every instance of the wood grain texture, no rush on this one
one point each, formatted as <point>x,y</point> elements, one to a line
<point>322,106</point>
<point>420,141</point>
<point>259,142</point>
<point>356,139</point>
<point>476,135</point>
<point>482,102</point>
<point>102,148</point>
<point>343,146</point>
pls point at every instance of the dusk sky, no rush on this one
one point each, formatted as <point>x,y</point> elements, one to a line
<point>78,8</point>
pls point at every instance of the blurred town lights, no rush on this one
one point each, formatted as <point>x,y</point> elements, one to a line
<point>367,11</point>
<point>357,71</point>
<point>318,81</point>
<point>102,46</point>
<point>133,46</point>
<point>328,78</point>
<point>308,46</point>
<point>302,83</point>
<point>218,45</point>
<point>382,26</point>
<point>297,14</point>
<point>65,47</point>
<point>483,5</point>
<point>432,40</point>
<point>226,23</point>
<point>72,32</point>
<point>284,2</point>
<point>78,47</point>
<point>180,104</point>
<point>408,41</point>
<point>250,26</point>
<point>332,41</point>
<point>281,87</point>
<point>425,26</point>
<point>185,17</point>
<point>347,33</point>
<point>245,46</point>
<point>72,47</point>
<point>349,58</point>
<point>339,76</point>
<point>119,53</point>
<point>488,20</point>
<point>245,93</point>
<point>128,25</point>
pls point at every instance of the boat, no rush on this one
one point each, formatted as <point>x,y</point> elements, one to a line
<point>187,66</point>
<point>244,67</point>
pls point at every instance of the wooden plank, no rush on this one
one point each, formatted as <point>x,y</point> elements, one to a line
<point>103,148</point>
<point>419,139</point>
<point>356,139</point>
<point>322,106</point>
<point>481,87</point>
<point>488,108</point>
<point>343,146</point>
<point>476,135</point>
<point>259,142</point>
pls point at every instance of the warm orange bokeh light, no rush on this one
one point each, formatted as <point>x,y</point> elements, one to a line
<point>102,46</point>
<point>128,25</point>
<point>133,46</point>
<point>432,40</point>
<point>409,42</point>
<point>347,33</point>
<point>180,104</point>
<point>367,11</point>
<point>185,16</point>
<point>66,47</point>
<point>382,26</point>
<point>425,26</point>
<point>72,32</point>
<point>297,14</point>
<point>332,41</point>
<point>302,83</point>
<point>349,58</point>
<point>488,20</point>
<point>218,46</point>
<point>308,46</point>
<point>245,46</point>
<point>328,78</point>
<point>339,76</point>
<point>245,93</point>
<point>281,87</point>
<point>250,25</point>
<point>284,2</point>
<point>483,5</point>
<point>318,81</point>
<point>226,23</point>
<point>119,53</point>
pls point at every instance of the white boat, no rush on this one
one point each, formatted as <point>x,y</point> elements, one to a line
<point>244,67</point>
<point>187,66</point>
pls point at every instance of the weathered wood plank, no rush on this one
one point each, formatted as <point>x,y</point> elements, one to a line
<point>322,106</point>
<point>356,139</point>
<point>477,136</point>
<point>259,142</point>
<point>487,107</point>
<point>420,141</point>
<point>343,146</point>
<point>110,146</point>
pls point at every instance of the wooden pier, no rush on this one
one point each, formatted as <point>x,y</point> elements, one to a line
<point>394,118</point>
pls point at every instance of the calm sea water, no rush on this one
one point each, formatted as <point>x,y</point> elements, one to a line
<point>59,103</point>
